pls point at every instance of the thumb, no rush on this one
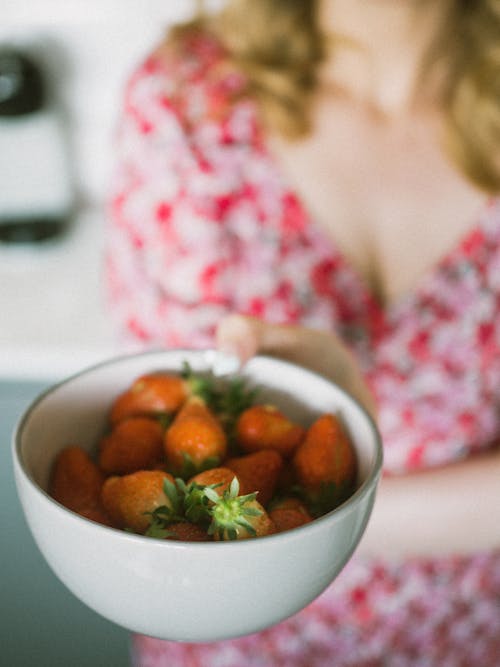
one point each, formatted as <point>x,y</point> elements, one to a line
<point>240,336</point>
<point>245,336</point>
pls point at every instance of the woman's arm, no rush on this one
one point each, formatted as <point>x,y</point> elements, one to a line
<point>167,249</point>
<point>451,509</point>
<point>454,509</point>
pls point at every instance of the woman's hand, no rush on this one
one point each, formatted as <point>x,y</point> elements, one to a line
<point>441,511</point>
<point>320,351</point>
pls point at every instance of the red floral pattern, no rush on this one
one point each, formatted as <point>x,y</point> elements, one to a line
<point>203,223</point>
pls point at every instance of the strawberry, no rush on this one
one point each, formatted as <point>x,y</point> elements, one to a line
<point>289,513</point>
<point>195,440</point>
<point>289,503</point>
<point>257,472</point>
<point>156,394</point>
<point>287,480</point>
<point>98,515</point>
<point>325,464</point>
<point>265,427</point>
<point>235,517</point>
<point>217,477</point>
<point>196,503</point>
<point>131,500</point>
<point>135,443</point>
<point>186,531</point>
<point>76,481</point>
<point>230,401</point>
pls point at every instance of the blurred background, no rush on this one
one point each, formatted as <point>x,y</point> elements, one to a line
<point>63,65</point>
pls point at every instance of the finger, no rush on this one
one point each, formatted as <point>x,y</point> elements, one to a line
<point>238,335</point>
<point>317,350</point>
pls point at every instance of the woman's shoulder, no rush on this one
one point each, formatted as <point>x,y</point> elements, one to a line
<point>187,55</point>
<point>189,74</point>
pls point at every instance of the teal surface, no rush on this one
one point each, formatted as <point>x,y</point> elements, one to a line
<point>41,623</point>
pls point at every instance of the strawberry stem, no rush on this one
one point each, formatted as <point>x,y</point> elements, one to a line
<point>228,402</point>
<point>196,501</point>
<point>229,512</point>
<point>163,515</point>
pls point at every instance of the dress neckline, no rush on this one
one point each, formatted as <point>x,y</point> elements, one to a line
<point>463,247</point>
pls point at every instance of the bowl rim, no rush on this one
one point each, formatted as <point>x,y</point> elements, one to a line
<point>364,488</point>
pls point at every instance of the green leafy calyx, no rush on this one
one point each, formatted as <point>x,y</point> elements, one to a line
<point>230,513</point>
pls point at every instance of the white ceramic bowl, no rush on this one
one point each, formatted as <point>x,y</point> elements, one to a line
<point>187,591</point>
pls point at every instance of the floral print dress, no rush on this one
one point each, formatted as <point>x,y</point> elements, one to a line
<point>203,223</point>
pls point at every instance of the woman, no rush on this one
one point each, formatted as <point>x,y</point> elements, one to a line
<point>335,165</point>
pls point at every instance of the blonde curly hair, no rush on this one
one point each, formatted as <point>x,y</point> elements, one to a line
<point>280,46</point>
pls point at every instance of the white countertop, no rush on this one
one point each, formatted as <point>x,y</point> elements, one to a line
<point>52,315</point>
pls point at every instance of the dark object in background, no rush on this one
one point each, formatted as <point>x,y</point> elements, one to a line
<point>21,85</point>
<point>35,191</point>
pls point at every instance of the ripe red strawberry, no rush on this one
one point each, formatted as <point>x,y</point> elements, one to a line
<point>290,503</point>
<point>185,531</point>
<point>98,515</point>
<point>220,478</point>
<point>76,481</point>
<point>130,500</point>
<point>155,394</point>
<point>237,517</point>
<point>325,463</point>
<point>265,427</point>
<point>289,513</point>
<point>195,440</point>
<point>135,443</point>
<point>258,472</point>
<point>287,479</point>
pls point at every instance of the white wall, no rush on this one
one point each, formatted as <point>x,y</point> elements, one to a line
<point>54,320</point>
<point>88,48</point>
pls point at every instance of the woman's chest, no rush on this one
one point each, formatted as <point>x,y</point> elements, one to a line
<point>385,195</point>
<point>344,232</point>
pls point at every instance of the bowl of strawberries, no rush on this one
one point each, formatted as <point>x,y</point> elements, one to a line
<point>191,507</point>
